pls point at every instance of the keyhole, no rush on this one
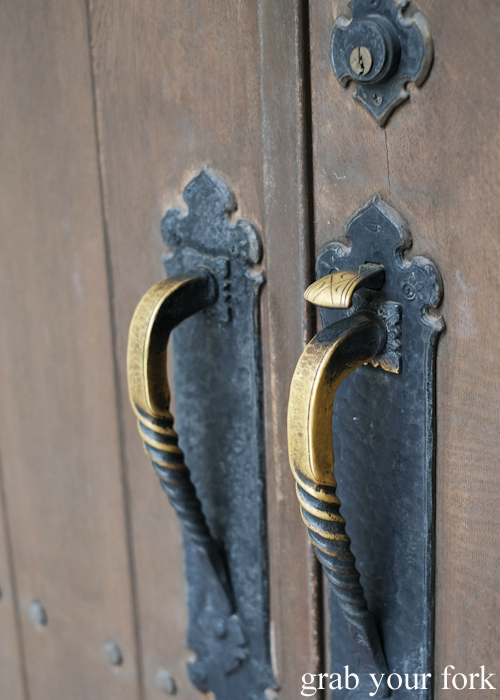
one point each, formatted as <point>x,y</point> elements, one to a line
<point>361,61</point>
<point>361,68</point>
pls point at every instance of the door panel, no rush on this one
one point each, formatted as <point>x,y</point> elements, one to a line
<point>178,86</point>
<point>58,427</point>
<point>437,163</point>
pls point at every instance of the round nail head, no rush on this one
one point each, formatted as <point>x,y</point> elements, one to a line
<point>37,614</point>
<point>112,653</point>
<point>165,681</point>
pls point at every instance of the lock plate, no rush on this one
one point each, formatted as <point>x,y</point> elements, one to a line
<point>384,444</point>
<point>381,50</point>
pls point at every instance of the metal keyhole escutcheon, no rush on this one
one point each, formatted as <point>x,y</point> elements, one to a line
<point>380,50</point>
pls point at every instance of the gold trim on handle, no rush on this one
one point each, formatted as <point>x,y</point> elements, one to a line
<point>160,310</point>
<point>328,359</point>
<point>335,291</point>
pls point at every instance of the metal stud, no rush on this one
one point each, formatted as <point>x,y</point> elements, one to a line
<point>112,652</point>
<point>37,614</point>
<point>165,681</point>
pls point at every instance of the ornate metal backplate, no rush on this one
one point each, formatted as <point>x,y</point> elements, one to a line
<point>381,50</point>
<point>218,392</point>
<point>383,434</point>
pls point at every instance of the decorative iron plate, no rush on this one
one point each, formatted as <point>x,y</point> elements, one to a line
<point>219,418</point>
<point>384,443</point>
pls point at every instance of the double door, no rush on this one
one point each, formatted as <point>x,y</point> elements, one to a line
<point>108,110</point>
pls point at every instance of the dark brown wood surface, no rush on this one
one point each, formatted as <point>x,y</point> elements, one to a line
<point>178,86</point>
<point>58,428</point>
<point>437,162</point>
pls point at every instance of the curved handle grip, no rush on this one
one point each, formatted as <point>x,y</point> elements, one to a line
<point>162,308</point>
<point>331,356</point>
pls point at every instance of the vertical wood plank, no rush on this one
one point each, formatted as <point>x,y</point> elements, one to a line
<point>350,162</point>
<point>296,595</point>
<point>445,178</point>
<point>437,163</point>
<point>58,426</point>
<point>12,677</point>
<point>179,85</point>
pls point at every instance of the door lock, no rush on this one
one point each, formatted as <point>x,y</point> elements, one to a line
<point>381,50</point>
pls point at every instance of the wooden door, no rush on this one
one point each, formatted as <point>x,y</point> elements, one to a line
<point>108,109</point>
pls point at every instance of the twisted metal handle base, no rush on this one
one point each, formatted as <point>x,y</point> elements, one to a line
<point>161,443</point>
<point>326,528</point>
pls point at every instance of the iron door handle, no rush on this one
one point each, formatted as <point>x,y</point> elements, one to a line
<point>161,309</point>
<point>330,357</point>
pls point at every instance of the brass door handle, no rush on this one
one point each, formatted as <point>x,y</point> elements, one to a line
<point>161,309</point>
<point>330,357</point>
<point>220,500</point>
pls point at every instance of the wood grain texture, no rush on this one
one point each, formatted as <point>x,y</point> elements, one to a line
<point>58,426</point>
<point>437,163</point>
<point>12,670</point>
<point>179,86</point>
<point>296,597</point>
<point>452,142</point>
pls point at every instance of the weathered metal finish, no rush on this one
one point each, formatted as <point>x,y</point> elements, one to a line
<point>335,291</point>
<point>383,434</point>
<point>217,367</point>
<point>381,50</point>
<point>161,309</point>
<point>361,61</point>
<point>372,336</point>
